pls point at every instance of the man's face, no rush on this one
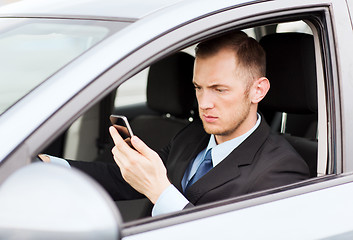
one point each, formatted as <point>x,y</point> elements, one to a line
<point>223,97</point>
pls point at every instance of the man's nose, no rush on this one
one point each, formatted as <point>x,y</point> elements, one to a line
<point>205,101</point>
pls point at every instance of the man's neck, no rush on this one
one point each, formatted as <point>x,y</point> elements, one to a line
<point>241,130</point>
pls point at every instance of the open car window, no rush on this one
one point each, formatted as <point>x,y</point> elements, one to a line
<point>131,99</point>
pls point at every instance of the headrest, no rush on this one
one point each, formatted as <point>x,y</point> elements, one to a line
<point>291,70</point>
<point>169,85</point>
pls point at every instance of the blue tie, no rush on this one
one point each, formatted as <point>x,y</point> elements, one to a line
<point>205,166</point>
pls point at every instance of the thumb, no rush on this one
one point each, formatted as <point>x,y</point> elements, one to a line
<point>142,148</point>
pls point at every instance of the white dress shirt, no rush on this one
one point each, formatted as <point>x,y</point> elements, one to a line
<point>171,199</point>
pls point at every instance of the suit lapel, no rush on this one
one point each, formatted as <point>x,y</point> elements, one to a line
<point>228,169</point>
<point>187,156</point>
<point>184,149</point>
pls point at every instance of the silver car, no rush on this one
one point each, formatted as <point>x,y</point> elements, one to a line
<point>65,66</point>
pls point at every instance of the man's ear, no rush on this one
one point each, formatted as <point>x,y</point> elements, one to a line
<point>260,89</point>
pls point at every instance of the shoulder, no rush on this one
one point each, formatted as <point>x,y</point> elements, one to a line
<point>278,164</point>
<point>271,146</point>
<point>278,147</point>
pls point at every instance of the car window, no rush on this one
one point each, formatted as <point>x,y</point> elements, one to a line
<point>296,26</point>
<point>32,50</point>
<point>299,129</point>
<point>133,91</point>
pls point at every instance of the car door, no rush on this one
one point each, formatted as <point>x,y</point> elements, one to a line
<point>300,210</point>
<point>269,214</point>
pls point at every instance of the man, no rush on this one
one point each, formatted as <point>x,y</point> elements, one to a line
<point>228,153</point>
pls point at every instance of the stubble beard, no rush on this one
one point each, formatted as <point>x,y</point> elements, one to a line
<point>241,116</point>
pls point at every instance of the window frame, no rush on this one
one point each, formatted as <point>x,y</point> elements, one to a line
<point>324,37</point>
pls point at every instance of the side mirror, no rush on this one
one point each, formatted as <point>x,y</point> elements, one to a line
<point>46,201</point>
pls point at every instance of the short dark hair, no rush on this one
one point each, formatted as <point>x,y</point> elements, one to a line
<point>249,53</point>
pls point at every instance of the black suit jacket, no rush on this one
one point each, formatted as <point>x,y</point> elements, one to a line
<point>262,161</point>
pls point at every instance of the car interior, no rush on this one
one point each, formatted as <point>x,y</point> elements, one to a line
<point>292,73</point>
<point>290,107</point>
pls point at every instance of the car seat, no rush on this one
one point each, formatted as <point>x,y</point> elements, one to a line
<point>171,94</point>
<point>291,70</point>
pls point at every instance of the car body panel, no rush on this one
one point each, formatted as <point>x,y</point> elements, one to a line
<point>305,212</point>
<point>287,218</point>
<point>343,39</point>
<point>106,9</point>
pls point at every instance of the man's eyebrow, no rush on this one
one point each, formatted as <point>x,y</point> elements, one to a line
<point>215,85</point>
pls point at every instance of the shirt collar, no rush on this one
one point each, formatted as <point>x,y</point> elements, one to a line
<point>221,151</point>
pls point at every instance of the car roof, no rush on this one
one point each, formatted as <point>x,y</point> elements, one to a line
<point>92,9</point>
<point>103,9</point>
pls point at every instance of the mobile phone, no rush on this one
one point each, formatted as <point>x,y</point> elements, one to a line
<point>122,125</point>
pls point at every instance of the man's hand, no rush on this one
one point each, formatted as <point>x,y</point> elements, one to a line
<point>142,168</point>
<point>44,158</point>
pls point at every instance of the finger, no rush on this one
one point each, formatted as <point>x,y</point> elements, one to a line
<point>114,151</point>
<point>118,140</point>
<point>115,135</point>
<point>142,148</point>
<point>122,160</point>
<point>121,145</point>
<point>44,158</point>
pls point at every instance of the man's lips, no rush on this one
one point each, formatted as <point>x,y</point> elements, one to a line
<point>209,118</point>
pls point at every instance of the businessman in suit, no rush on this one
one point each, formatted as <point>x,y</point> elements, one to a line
<point>228,152</point>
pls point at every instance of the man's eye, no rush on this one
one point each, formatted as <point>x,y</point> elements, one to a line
<point>220,90</point>
<point>197,88</point>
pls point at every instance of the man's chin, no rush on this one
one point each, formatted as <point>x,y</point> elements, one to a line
<point>217,130</point>
<point>212,129</point>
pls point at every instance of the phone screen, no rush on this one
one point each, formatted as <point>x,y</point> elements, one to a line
<point>122,125</point>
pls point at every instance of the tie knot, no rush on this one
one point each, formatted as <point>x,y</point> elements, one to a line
<point>208,155</point>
